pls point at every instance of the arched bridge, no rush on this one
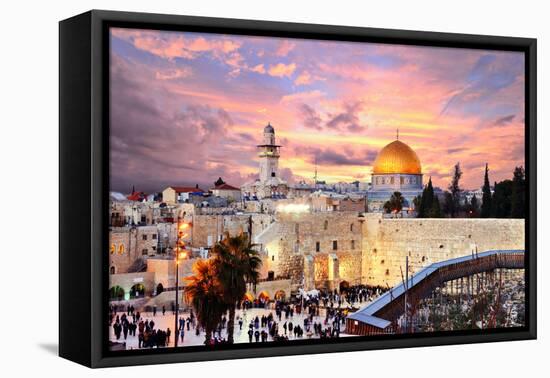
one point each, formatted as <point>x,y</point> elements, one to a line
<point>376,317</point>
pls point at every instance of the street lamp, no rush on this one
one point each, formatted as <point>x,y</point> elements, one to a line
<point>181,254</point>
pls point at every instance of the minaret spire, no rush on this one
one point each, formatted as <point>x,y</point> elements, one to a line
<point>315,177</point>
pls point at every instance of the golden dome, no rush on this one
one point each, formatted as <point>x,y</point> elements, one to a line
<point>397,157</point>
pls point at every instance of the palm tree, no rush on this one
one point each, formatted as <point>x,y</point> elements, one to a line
<point>204,293</point>
<point>237,265</point>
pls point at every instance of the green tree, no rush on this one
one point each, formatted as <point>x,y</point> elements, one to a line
<point>417,202</point>
<point>395,204</point>
<point>435,210</point>
<point>518,193</point>
<point>501,201</point>
<point>426,200</point>
<point>237,264</point>
<point>486,198</point>
<point>455,191</point>
<point>204,292</point>
<point>474,207</point>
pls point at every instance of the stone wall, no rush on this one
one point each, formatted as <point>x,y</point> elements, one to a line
<point>387,242</point>
<point>207,229</point>
<point>127,280</point>
<point>296,235</point>
<point>126,244</point>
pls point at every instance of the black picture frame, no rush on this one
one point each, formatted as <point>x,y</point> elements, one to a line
<point>84,189</point>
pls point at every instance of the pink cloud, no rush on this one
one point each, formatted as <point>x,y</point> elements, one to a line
<point>258,68</point>
<point>285,47</point>
<point>172,74</point>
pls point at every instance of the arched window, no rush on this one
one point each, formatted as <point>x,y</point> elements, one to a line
<point>112,270</point>
<point>326,225</point>
<point>113,249</point>
<point>120,249</point>
<point>351,227</point>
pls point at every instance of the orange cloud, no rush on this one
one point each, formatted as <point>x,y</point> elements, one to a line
<point>282,70</point>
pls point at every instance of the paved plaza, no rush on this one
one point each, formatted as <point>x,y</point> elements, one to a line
<point>163,322</point>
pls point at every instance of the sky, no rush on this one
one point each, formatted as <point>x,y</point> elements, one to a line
<point>187,108</point>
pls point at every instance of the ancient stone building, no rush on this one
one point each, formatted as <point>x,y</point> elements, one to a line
<point>397,168</point>
<point>128,244</point>
<point>314,249</point>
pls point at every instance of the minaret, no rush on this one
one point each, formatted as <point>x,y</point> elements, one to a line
<point>269,155</point>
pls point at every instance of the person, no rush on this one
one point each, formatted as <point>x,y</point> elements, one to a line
<point>163,310</point>
<point>240,324</point>
<point>118,329</point>
<point>250,334</point>
<point>257,335</point>
<point>168,333</point>
<point>182,334</point>
<point>154,310</point>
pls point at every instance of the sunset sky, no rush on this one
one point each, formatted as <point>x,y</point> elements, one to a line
<point>187,108</point>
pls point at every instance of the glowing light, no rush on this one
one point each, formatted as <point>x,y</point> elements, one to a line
<point>293,208</point>
<point>182,255</point>
<point>183,226</point>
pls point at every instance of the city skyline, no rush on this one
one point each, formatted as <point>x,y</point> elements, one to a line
<point>191,108</point>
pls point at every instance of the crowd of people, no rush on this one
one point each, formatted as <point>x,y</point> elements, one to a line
<point>320,315</point>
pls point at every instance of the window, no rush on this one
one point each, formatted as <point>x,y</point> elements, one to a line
<point>317,246</point>
<point>154,248</point>
<point>144,237</point>
<point>402,180</point>
<point>113,249</point>
<point>272,257</point>
<point>144,252</point>
<point>351,227</point>
<point>391,180</point>
<point>121,249</point>
<point>326,225</point>
<point>297,228</point>
<point>353,244</point>
<point>154,236</point>
<point>112,270</point>
<point>297,246</point>
<point>334,245</point>
<point>272,174</point>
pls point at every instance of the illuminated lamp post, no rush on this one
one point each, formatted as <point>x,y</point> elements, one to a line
<point>181,254</point>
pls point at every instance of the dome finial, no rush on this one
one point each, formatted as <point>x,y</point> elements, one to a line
<point>397,137</point>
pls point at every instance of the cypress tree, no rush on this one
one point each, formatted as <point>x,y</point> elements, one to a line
<point>474,206</point>
<point>435,211</point>
<point>518,193</point>
<point>426,201</point>
<point>486,198</point>
<point>455,190</point>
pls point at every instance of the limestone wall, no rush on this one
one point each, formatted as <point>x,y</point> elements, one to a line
<point>387,242</point>
<point>207,229</point>
<point>126,244</point>
<point>294,236</point>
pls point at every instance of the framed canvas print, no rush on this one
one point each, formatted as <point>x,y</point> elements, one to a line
<point>233,188</point>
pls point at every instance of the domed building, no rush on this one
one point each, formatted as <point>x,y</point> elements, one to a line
<point>397,168</point>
